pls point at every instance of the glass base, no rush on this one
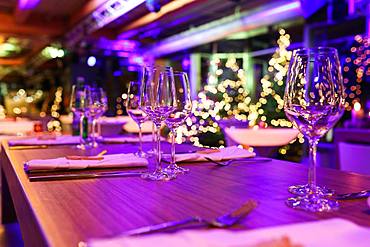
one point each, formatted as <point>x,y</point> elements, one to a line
<point>304,189</point>
<point>174,170</point>
<point>141,154</point>
<point>157,175</point>
<point>84,146</point>
<point>313,203</point>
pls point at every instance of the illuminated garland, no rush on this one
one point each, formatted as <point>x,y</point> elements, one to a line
<point>356,70</point>
<point>54,124</point>
<point>2,112</point>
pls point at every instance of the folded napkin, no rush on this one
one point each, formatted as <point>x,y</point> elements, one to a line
<point>126,139</point>
<point>342,233</point>
<point>217,155</point>
<point>59,140</point>
<point>108,161</point>
<point>132,127</point>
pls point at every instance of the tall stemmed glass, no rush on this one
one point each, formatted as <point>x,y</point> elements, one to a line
<point>135,112</point>
<point>156,101</point>
<point>314,102</point>
<point>96,105</point>
<point>77,105</point>
<point>182,107</point>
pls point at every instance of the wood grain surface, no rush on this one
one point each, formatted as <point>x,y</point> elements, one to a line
<point>62,213</point>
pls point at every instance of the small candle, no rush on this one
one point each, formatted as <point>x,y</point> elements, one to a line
<point>357,112</point>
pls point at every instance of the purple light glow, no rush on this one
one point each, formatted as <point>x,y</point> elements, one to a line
<point>27,4</point>
<point>185,63</point>
<point>117,73</point>
<point>123,54</point>
<point>117,45</point>
<point>268,14</point>
<point>132,68</point>
<point>135,59</point>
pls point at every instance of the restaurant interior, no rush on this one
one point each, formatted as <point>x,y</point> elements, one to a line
<point>185,123</point>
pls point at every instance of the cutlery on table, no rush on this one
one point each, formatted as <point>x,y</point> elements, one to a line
<point>33,178</point>
<point>99,156</point>
<point>223,221</point>
<point>355,195</point>
<point>250,160</point>
<point>28,147</point>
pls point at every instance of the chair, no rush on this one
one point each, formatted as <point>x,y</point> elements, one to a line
<point>354,157</point>
<point>352,144</point>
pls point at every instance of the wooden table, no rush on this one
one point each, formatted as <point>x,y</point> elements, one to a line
<point>62,213</point>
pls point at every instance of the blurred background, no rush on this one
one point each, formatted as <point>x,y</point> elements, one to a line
<point>236,53</point>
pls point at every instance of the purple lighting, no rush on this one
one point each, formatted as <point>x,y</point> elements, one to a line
<point>275,12</point>
<point>185,63</point>
<point>135,59</point>
<point>117,45</point>
<point>27,4</point>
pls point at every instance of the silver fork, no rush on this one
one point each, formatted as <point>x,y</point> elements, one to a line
<point>226,220</point>
<point>250,160</point>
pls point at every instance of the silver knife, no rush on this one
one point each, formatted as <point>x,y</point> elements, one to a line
<point>33,178</point>
<point>355,195</point>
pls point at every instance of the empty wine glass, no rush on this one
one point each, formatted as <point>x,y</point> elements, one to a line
<point>96,105</point>
<point>77,105</point>
<point>135,112</point>
<point>314,102</point>
<point>182,105</point>
<point>156,101</point>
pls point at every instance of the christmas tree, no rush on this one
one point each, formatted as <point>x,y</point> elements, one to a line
<point>269,107</point>
<point>224,97</point>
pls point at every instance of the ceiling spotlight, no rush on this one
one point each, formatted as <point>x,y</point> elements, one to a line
<point>153,5</point>
<point>91,61</point>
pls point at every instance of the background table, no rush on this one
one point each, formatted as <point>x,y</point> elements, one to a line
<point>62,213</point>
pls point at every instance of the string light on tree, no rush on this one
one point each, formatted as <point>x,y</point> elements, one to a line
<point>223,98</point>
<point>269,107</point>
<point>356,70</point>
<point>54,124</point>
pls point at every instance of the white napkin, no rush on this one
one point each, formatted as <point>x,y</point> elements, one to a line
<point>132,127</point>
<point>109,161</point>
<point>322,233</point>
<point>223,154</point>
<point>126,139</point>
<point>59,140</point>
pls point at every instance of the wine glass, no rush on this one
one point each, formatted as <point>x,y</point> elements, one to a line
<point>96,105</point>
<point>182,107</point>
<point>104,107</point>
<point>156,101</point>
<point>314,102</point>
<point>77,105</point>
<point>135,112</point>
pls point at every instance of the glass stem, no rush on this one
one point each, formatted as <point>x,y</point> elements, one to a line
<point>173,150</point>
<point>312,165</point>
<point>99,129</point>
<point>154,136</point>
<point>140,140</point>
<point>158,149</point>
<point>93,133</point>
<point>81,129</point>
